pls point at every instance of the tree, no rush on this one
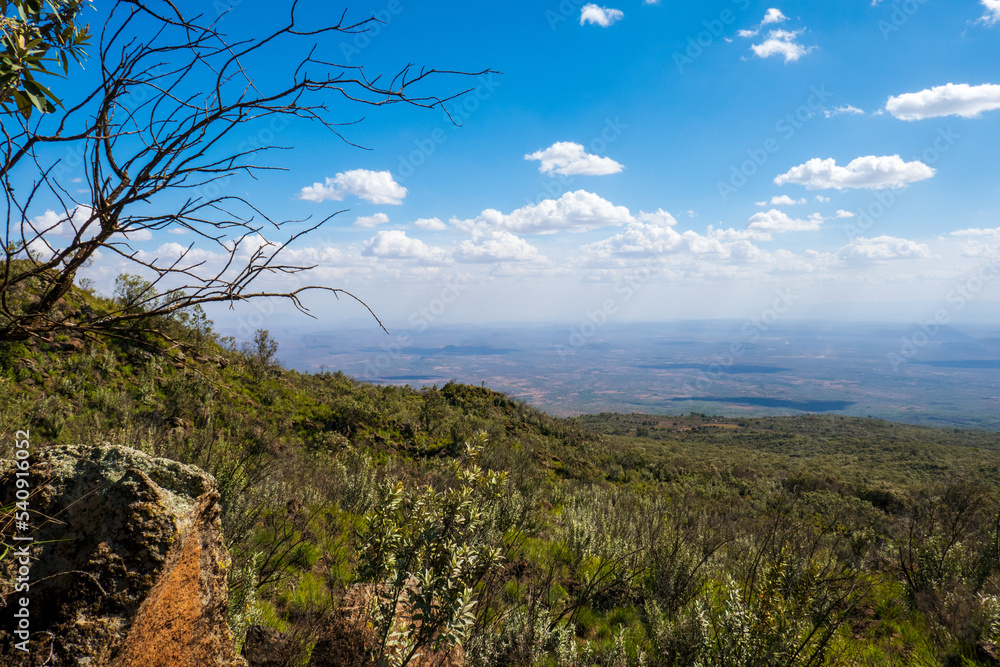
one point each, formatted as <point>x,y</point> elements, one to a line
<point>28,35</point>
<point>158,152</point>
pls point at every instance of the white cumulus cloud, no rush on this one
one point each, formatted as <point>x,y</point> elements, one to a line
<point>992,15</point>
<point>569,159</point>
<point>995,232</point>
<point>602,16</point>
<point>784,200</point>
<point>430,224</point>
<point>377,187</point>
<point>395,244</point>
<point>578,211</point>
<point>951,99</point>
<point>641,240</point>
<point>782,43</point>
<point>657,217</point>
<point>56,230</point>
<point>882,248</point>
<point>778,222</point>
<point>772,15</point>
<point>869,172</point>
<point>497,247</point>
<point>371,220</point>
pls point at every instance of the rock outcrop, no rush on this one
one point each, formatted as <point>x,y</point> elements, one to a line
<point>128,565</point>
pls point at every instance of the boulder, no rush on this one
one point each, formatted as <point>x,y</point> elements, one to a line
<point>128,562</point>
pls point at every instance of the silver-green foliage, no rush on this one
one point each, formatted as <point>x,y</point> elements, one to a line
<point>522,637</point>
<point>424,550</point>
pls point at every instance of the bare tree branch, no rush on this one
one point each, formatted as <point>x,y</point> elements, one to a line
<point>172,93</point>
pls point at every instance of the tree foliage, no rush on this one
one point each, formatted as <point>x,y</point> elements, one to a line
<point>38,36</point>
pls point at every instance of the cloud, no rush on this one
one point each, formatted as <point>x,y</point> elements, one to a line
<point>569,159</point>
<point>371,220</point>
<point>578,211</point>
<point>56,230</point>
<point>784,200</point>
<point>844,214</point>
<point>431,224</point>
<point>171,252</point>
<point>64,226</point>
<point>951,99</point>
<point>657,217</point>
<point>980,242</point>
<point>782,43</point>
<point>882,248</point>
<point>992,15</point>
<point>868,172</point>
<point>395,244</point>
<point>498,247</point>
<point>821,198</point>
<point>771,16</point>
<point>602,16</point>
<point>637,240</point>
<point>995,232</point>
<point>50,223</point>
<point>847,109</point>
<point>134,235</point>
<point>641,240</point>
<point>778,42</point>
<point>777,222</point>
<point>377,187</point>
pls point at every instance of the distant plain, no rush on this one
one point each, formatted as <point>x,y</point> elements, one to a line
<point>938,377</point>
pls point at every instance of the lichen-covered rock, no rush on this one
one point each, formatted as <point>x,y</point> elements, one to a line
<point>128,564</point>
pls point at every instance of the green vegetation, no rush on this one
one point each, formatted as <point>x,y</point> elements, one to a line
<point>373,523</point>
<point>31,31</point>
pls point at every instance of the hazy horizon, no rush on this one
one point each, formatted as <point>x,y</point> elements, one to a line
<point>932,375</point>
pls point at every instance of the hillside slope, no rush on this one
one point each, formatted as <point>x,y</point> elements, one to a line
<point>608,539</point>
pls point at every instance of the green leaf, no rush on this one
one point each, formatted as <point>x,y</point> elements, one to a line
<point>23,104</point>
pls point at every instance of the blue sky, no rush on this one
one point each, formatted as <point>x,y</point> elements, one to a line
<point>677,160</point>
